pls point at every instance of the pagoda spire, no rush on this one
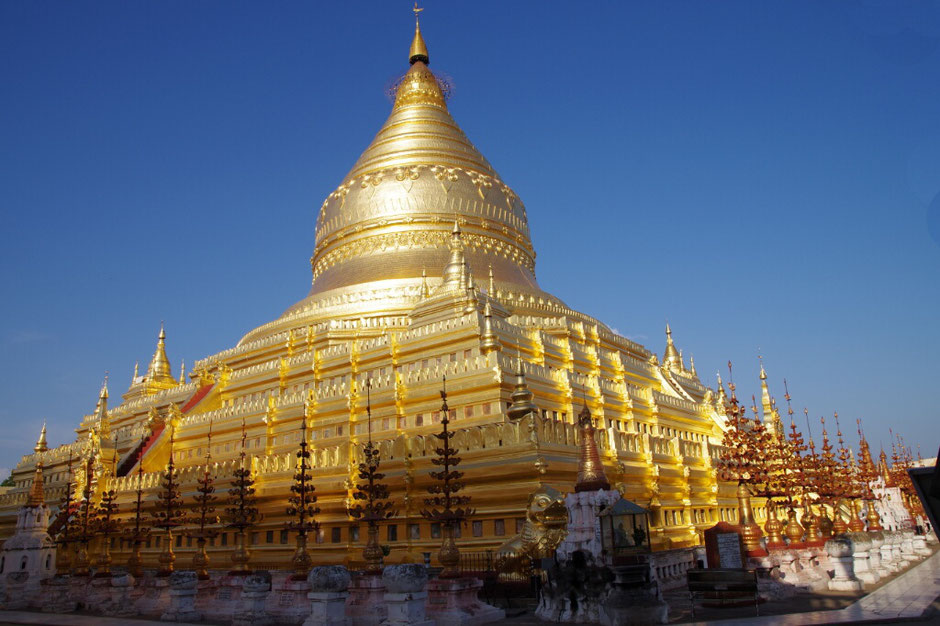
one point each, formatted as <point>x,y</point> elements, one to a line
<point>101,410</point>
<point>767,407</point>
<point>671,358</point>
<point>419,50</point>
<point>41,445</point>
<point>159,372</point>
<point>37,493</point>
<point>455,272</point>
<point>521,397</point>
<point>591,476</point>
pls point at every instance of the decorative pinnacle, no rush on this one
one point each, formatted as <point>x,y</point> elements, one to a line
<point>41,445</point>
<point>419,51</point>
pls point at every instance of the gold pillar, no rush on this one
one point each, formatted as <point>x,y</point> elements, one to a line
<point>201,559</point>
<point>794,530</point>
<point>372,553</point>
<point>241,554</point>
<point>750,531</point>
<point>449,555</point>
<point>856,525</point>
<point>301,560</point>
<point>103,562</point>
<point>773,527</point>
<point>167,558</point>
<point>135,562</point>
<point>874,520</point>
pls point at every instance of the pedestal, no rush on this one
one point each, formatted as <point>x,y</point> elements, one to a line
<point>861,556</point>
<point>405,597</point>
<point>255,590</point>
<point>454,602</point>
<point>328,593</point>
<point>98,594</point>
<point>874,556</point>
<point>224,599</point>
<point>56,595</point>
<point>907,545</point>
<point>289,602</point>
<point>920,545</point>
<point>815,576</point>
<point>156,597</point>
<point>182,606</point>
<point>121,603</point>
<point>840,549</point>
<point>365,605</point>
<point>15,591</point>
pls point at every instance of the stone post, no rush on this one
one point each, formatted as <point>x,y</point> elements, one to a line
<point>861,555</point>
<point>329,586</point>
<point>874,556</point>
<point>57,595</point>
<point>98,594</point>
<point>896,551</point>
<point>907,545</point>
<point>366,603</point>
<point>15,594</point>
<point>920,545</point>
<point>121,603</point>
<point>182,598</point>
<point>887,554</point>
<point>839,549</point>
<point>405,594</point>
<point>255,590</point>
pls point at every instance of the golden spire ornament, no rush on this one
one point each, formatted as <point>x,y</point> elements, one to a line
<point>242,512</point>
<point>63,538</point>
<point>744,462</point>
<point>418,51</point>
<point>591,476</point>
<point>373,496</point>
<point>302,503</point>
<point>136,531</point>
<point>204,517</point>
<point>444,505</point>
<point>169,512</point>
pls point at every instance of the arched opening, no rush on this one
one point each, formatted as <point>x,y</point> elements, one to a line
<point>3,563</point>
<point>23,563</point>
<point>48,561</point>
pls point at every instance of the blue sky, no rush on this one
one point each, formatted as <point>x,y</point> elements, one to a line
<point>766,176</point>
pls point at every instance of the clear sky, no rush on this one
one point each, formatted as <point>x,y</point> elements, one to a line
<point>766,176</point>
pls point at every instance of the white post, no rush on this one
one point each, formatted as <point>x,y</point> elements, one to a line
<point>329,585</point>
<point>839,549</point>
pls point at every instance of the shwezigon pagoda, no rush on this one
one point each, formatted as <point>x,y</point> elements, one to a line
<point>423,269</point>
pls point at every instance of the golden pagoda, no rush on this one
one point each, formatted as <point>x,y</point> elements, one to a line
<point>422,268</point>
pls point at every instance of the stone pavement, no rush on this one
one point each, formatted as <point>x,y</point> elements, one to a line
<point>903,598</point>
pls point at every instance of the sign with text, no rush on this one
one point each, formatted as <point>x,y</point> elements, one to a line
<point>724,547</point>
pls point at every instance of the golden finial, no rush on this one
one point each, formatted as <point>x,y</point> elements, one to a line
<point>763,374</point>
<point>419,51</point>
<point>136,372</point>
<point>41,445</point>
<point>182,371</point>
<point>671,358</point>
<point>159,373</point>
<point>425,290</point>
<point>692,365</point>
<point>103,395</point>
<point>491,288</point>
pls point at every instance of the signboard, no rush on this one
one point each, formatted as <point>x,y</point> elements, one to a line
<point>724,547</point>
<point>729,550</point>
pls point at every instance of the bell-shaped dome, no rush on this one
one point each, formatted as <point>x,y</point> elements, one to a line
<point>391,218</point>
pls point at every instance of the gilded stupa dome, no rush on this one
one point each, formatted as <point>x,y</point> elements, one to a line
<point>390,220</point>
